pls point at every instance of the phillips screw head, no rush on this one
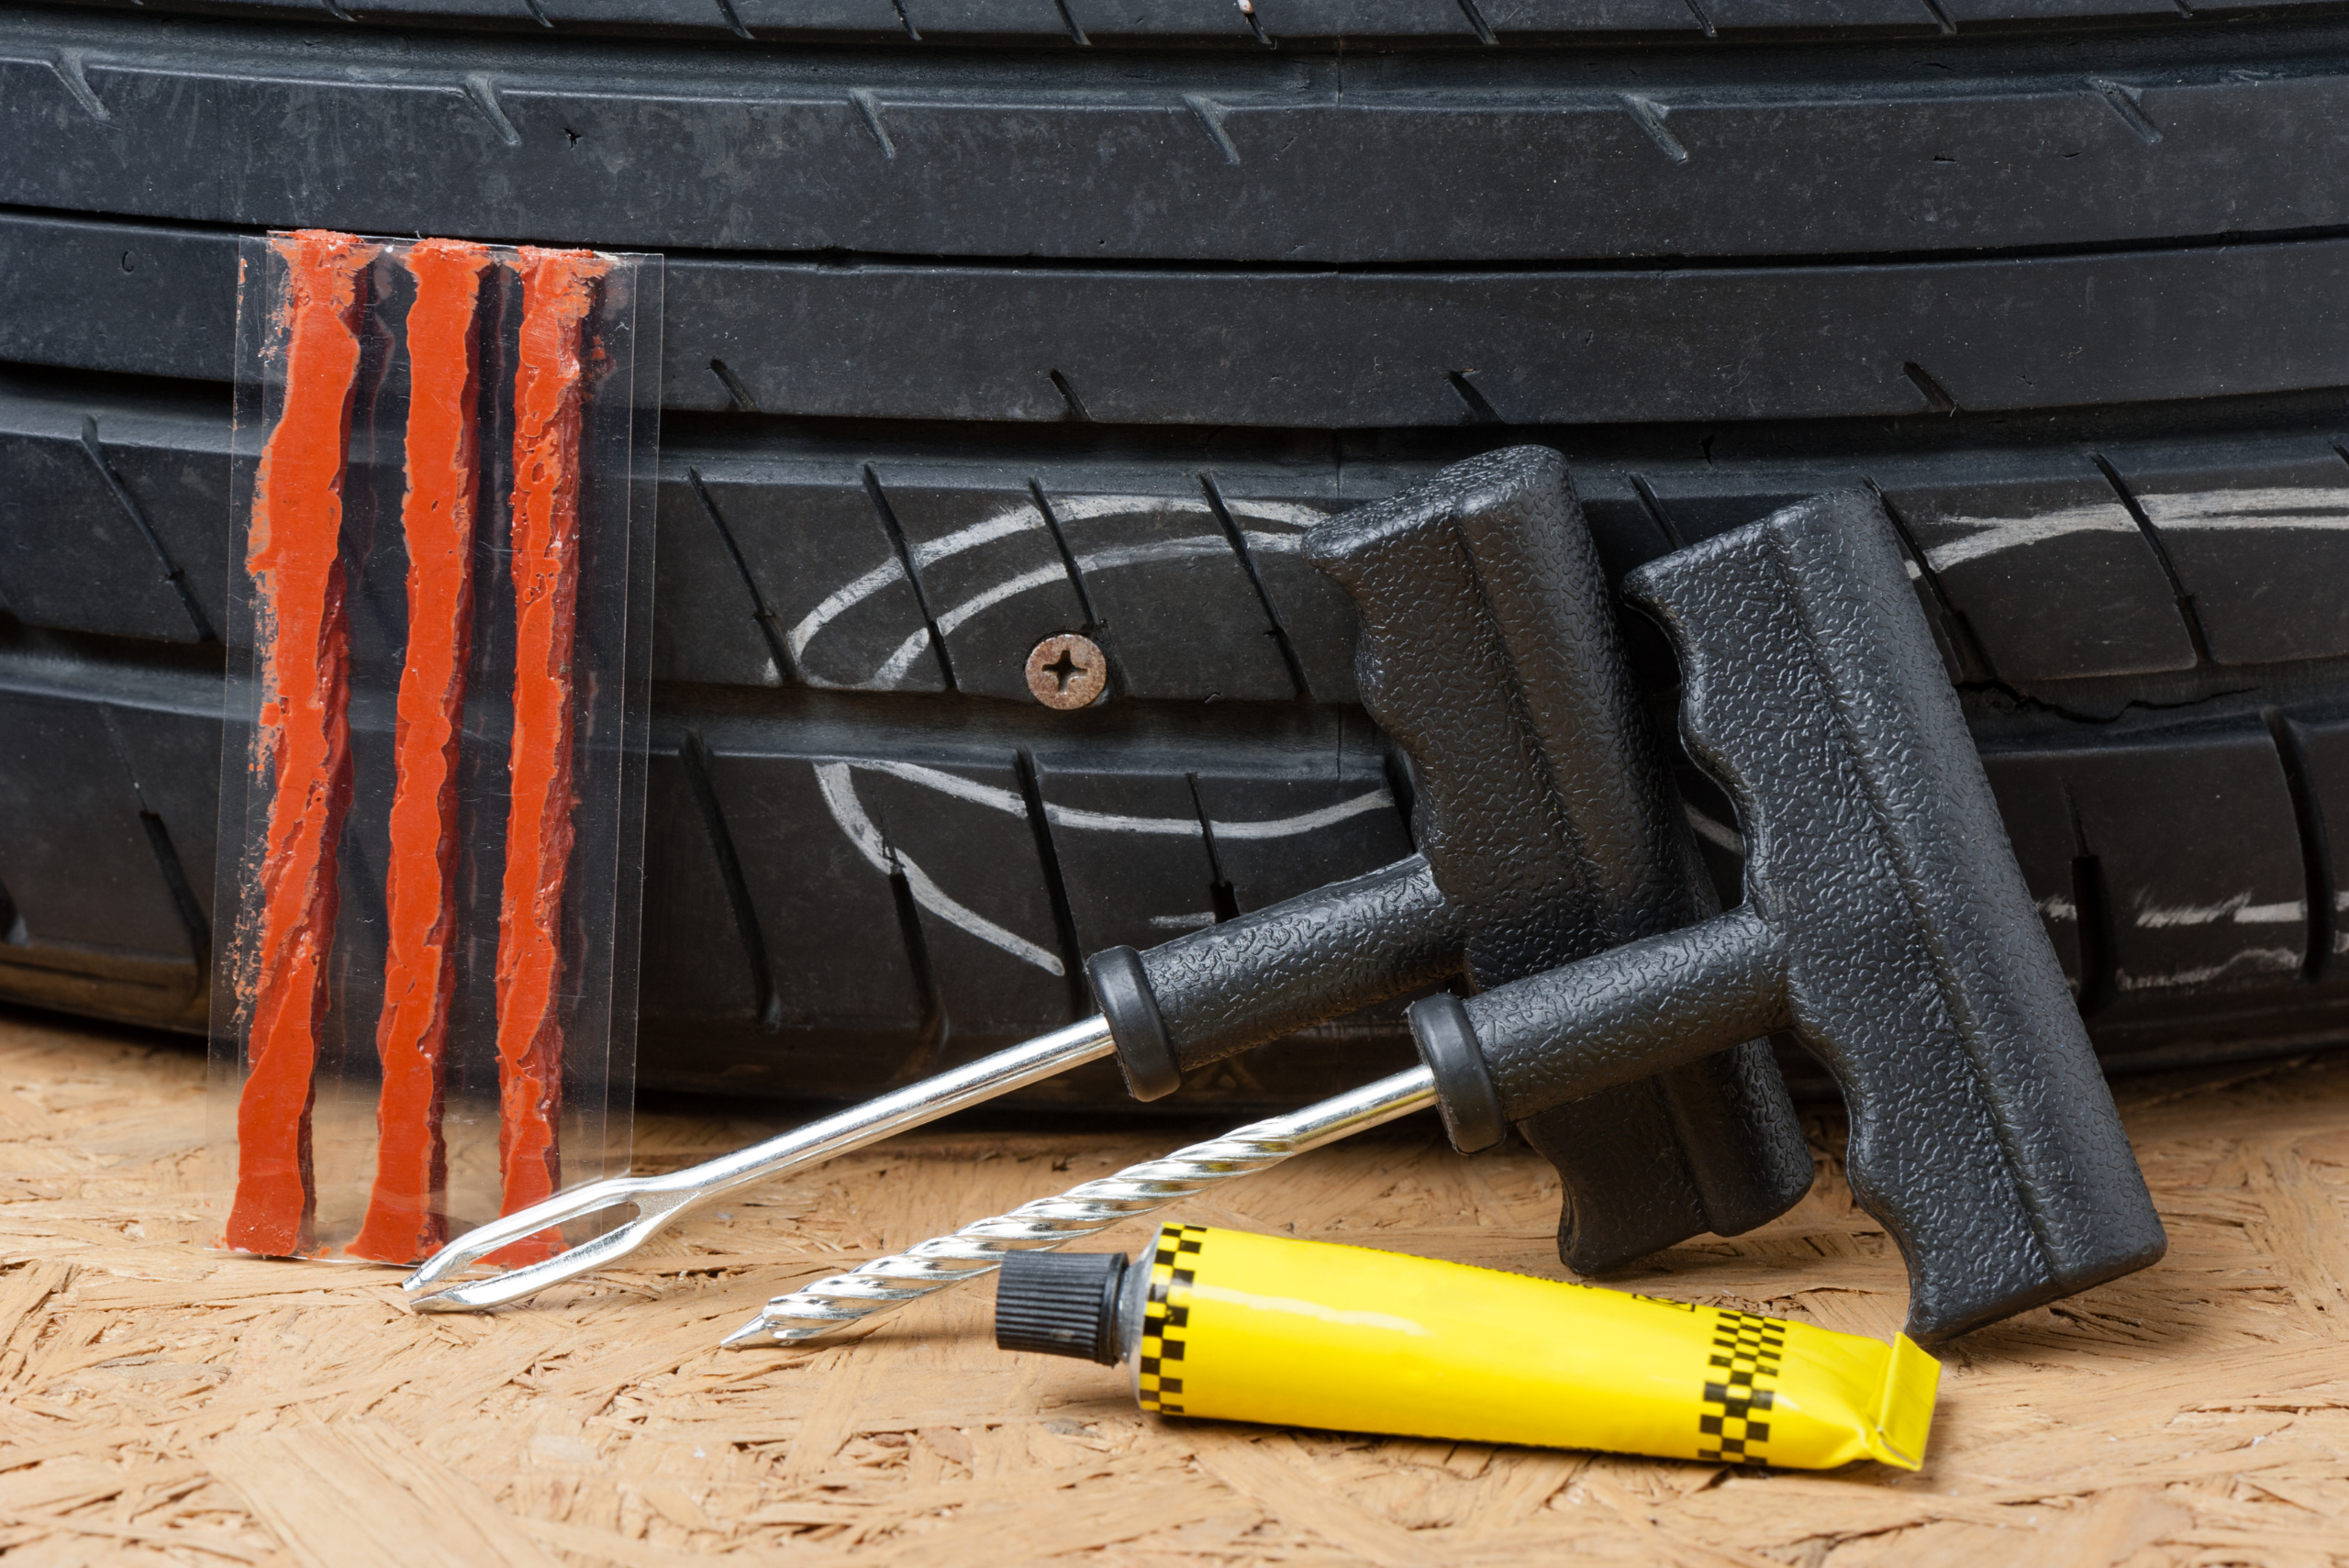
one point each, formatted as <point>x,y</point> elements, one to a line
<point>1067,671</point>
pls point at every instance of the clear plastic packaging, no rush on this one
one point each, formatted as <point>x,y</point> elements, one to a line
<point>432,801</point>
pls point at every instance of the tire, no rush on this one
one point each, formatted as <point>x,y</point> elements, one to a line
<point>1028,336</point>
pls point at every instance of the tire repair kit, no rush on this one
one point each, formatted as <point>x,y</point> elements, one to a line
<point>1584,988</point>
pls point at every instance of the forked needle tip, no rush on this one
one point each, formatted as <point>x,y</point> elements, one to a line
<point>442,1301</point>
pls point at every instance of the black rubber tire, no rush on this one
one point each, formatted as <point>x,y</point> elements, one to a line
<point>1263,24</point>
<point>2060,281</point>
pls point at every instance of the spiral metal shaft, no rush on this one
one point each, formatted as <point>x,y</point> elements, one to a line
<point>886,1284</point>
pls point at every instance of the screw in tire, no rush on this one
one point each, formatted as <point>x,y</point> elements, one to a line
<point>1067,671</point>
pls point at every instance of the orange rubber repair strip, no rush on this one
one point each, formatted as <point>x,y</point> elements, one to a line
<point>294,554</point>
<point>404,1222</point>
<point>558,290</point>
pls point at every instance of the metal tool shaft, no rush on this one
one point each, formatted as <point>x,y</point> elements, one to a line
<point>885,1283</point>
<point>660,1199</point>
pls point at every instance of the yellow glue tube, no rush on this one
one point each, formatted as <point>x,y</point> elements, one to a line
<point>1247,1328</point>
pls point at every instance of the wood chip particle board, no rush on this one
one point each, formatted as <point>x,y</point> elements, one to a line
<point>167,1405</point>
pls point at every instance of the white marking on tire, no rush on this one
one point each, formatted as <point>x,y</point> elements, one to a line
<point>1079,819</point>
<point>2240,909</point>
<point>839,790</point>
<point>2300,511</point>
<point>1994,535</point>
<point>1019,518</point>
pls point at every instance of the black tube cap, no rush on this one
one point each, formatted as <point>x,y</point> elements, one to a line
<point>1062,1303</point>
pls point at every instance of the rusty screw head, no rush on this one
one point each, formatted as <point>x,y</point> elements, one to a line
<point>1067,671</point>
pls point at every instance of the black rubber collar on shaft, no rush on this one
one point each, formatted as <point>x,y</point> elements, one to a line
<point>1447,1042</point>
<point>1121,987</point>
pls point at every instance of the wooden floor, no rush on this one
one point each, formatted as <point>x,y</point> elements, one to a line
<point>166,1402</point>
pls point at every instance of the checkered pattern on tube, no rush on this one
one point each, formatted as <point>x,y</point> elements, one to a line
<point>1167,1315</point>
<point>1745,1363</point>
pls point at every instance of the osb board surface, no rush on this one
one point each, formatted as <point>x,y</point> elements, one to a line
<point>166,1402</point>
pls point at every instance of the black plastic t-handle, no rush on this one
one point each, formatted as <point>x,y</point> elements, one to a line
<point>1490,653</point>
<point>1884,921</point>
<point>1490,650</point>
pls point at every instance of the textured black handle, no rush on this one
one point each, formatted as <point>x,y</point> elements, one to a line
<point>1215,993</point>
<point>1489,651</point>
<point>1982,1135</point>
<point>1583,1028</point>
<point>1552,1051</point>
